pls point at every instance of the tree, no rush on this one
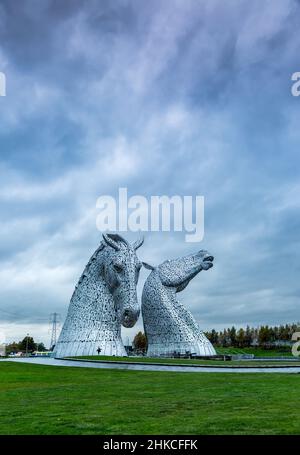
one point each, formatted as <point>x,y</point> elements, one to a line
<point>140,342</point>
<point>240,338</point>
<point>232,336</point>
<point>264,335</point>
<point>213,336</point>
<point>27,344</point>
<point>272,334</point>
<point>281,333</point>
<point>41,347</point>
<point>248,337</point>
<point>224,338</point>
<point>12,347</point>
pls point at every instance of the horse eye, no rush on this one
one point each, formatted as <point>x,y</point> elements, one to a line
<point>118,268</point>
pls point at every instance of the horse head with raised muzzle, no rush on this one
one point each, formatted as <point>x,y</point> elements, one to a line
<point>121,272</point>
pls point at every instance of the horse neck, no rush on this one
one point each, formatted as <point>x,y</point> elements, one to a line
<point>163,300</point>
<point>92,291</point>
<point>158,295</point>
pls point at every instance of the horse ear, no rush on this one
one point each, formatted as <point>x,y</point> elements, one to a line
<point>148,266</point>
<point>111,240</point>
<point>138,243</point>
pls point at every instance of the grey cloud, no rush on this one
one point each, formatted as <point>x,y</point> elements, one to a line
<point>165,98</point>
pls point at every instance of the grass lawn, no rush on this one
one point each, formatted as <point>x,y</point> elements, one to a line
<point>38,399</point>
<point>258,352</point>
<point>232,363</point>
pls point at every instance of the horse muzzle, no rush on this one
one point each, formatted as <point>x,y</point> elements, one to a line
<point>129,318</point>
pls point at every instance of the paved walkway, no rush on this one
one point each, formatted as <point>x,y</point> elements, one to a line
<point>144,367</point>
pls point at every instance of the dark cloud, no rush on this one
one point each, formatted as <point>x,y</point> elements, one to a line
<point>164,98</point>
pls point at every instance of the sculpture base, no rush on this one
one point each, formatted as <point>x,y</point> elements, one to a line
<point>74,349</point>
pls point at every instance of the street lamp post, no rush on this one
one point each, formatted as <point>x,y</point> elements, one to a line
<point>27,344</point>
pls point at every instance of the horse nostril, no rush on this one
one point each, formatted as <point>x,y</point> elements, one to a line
<point>129,318</point>
<point>208,259</point>
<point>127,315</point>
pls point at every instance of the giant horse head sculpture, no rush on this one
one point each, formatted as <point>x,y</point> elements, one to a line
<point>168,325</point>
<point>104,299</point>
<point>121,269</point>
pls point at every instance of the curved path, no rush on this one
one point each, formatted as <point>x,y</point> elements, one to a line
<point>149,367</point>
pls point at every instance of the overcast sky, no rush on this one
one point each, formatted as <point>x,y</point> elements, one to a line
<point>162,97</point>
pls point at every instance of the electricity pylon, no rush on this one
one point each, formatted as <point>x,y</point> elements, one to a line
<point>54,321</point>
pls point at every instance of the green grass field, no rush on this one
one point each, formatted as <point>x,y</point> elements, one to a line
<point>258,352</point>
<point>37,399</point>
<point>233,363</point>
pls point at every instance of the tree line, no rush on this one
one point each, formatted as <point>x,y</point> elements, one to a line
<point>263,336</point>
<point>26,345</point>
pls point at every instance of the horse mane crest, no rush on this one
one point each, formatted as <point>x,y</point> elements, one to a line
<point>91,260</point>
